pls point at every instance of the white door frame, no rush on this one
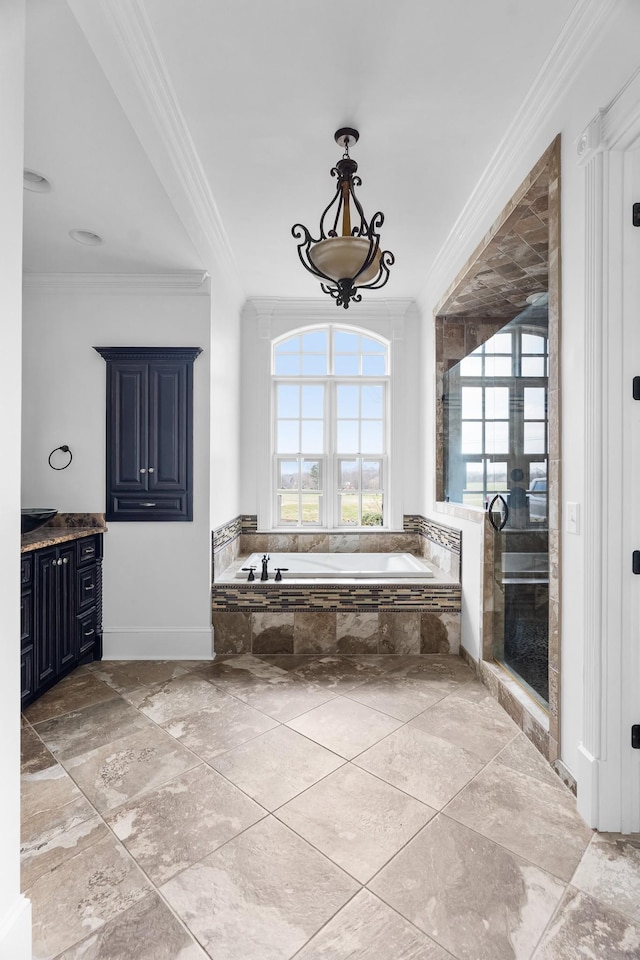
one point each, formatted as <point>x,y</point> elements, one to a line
<point>609,770</point>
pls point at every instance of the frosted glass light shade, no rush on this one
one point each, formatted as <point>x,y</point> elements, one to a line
<point>341,257</point>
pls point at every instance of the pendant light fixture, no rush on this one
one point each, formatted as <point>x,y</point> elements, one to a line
<point>346,257</point>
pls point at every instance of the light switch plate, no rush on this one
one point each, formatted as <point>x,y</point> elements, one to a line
<point>572,514</point>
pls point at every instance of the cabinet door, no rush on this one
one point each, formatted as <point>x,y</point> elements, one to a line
<point>127,428</point>
<point>66,622</point>
<point>169,428</point>
<point>26,646</point>
<point>46,582</point>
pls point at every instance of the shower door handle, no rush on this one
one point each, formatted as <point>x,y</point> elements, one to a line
<point>504,513</point>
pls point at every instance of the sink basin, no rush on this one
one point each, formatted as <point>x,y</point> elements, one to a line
<point>34,517</point>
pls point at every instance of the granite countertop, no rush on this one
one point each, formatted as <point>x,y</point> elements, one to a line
<point>62,528</point>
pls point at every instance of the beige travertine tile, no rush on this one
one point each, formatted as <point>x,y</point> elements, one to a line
<point>277,766</point>
<point>47,790</point>
<point>344,726</point>
<point>521,755</point>
<point>118,771</point>
<point>148,930</point>
<point>84,730</point>
<point>144,673</point>
<point>271,890</point>
<point>610,872</point>
<point>472,896</point>
<point>34,755</point>
<point>235,673</point>
<point>358,821</point>
<point>357,632</point>
<point>428,768</point>
<point>585,928</point>
<point>98,883</point>
<point>225,724</point>
<point>314,632</point>
<point>272,632</point>
<point>172,827</point>
<point>177,698</point>
<point>399,633</point>
<point>52,837</point>
<point>471,719</point>
<point>540,824</point>
<point>283,698</point>
<point>72,693</point>
<point>367,929</point>
<point>231,631</point>
<point>339,674</point>
<point>402,699</point>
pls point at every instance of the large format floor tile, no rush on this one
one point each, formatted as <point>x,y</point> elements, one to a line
<point>344,726</point>
<point>430,769</point>
<point>277,766</point>
<point>394,771</point>
<point>261,896</point>
<point>82,894</point>
<point>356,820</point>
<point>172,827</point>
<point>367,929</point>
<point>584,928</point>
<point>474,898</point>
<point>540,824</point>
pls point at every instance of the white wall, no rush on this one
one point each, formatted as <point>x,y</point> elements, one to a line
<point>156,575</point>
<point>265,320</point>
<point>15,910</point>
<point>599,75</point>
<point>225,407</point>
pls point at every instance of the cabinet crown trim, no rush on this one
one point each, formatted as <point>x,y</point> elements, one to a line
<point>148,353</point>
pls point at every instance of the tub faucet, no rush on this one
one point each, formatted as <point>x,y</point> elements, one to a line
<point>265,574</point>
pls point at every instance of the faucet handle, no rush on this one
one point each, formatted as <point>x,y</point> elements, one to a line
<point>278,575</point>
<point>250,569</point>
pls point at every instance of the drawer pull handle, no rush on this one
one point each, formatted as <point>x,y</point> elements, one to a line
<point>89,550</point>
<point>89,633</point>
<point>147,504</point>
<point>91,586</point>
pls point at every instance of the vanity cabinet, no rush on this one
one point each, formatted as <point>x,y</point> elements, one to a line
<point>149,432</point>
<point>61,612</point>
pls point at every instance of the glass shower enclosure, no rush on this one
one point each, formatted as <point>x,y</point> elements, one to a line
<point>496,457</point>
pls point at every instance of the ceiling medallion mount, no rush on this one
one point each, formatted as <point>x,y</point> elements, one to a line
<point>350,260</point>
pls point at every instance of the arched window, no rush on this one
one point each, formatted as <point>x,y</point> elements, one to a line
<point>330,437</point>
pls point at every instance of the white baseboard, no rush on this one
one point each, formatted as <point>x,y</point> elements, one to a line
<point>588,787</point>
<point>157,643</point>
<point>15,931</point>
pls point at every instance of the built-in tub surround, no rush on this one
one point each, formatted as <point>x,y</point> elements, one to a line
<point>331,566</point>
<point>347,616</point>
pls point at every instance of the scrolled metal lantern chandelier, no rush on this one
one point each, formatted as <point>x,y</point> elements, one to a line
<point>351,261</point>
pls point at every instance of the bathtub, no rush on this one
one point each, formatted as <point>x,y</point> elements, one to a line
<point>331,566</point>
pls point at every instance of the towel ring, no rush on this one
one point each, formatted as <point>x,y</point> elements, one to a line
<point>65,449</point>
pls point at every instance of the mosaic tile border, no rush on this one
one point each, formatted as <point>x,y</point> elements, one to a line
<point>439,533</point>
<point>249,522</point>
<point>334,598</point>
<point>226,533</point>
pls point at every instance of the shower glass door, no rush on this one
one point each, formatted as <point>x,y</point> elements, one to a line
<point>496,433</point>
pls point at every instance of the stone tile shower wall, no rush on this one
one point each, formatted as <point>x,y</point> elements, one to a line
<point>333,618</point>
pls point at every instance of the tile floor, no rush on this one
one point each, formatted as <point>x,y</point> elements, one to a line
<point>322,808</point>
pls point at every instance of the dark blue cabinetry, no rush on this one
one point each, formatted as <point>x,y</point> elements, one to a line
<point>61,612</point>
<point>149,432</point>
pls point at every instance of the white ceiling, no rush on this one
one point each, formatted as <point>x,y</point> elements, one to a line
<point>261,87</point>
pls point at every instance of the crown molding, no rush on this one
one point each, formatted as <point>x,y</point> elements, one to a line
<point>315,309</point>
<point>193,282</point>
<point>579,35</point>
<point>122,40</point>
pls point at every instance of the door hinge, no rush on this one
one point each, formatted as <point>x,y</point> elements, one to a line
<point>635,736</point>
<point>636,214</point>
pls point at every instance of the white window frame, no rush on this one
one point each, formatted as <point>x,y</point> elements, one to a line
<point>330,458</point>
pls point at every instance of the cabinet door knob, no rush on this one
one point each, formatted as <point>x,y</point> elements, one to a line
<point>143,469</point>
<point>59,562</point>
<point>150,469</point>
<point>65,560</point>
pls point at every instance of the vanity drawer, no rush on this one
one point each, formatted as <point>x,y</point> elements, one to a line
<point>88,633</point>
<point>89,549</point>
<point>87,587</point>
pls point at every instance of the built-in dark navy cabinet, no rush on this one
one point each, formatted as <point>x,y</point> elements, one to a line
<point>149,432</point>
<point>61,612</point>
